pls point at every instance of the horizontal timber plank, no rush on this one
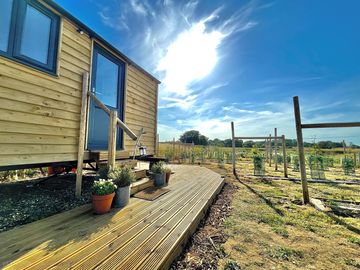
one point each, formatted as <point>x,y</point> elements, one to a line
<point>16,138</point>
<point>143,235</point>
<point>21,117</point>
<point>13,149</point>
<point>27,75</point>
<point>9,160</point>
<point>36,99</point>
<point>332,125</point>
<point>23,106</point>
<point>28,128</point>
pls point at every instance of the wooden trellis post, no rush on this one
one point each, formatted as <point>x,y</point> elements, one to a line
<point>270,150</point>
<point>233,147</point>
<point>276,150</point>
<point>284,155</point>
<point>81,143</point>
<point>112,138</point>
<point>300,144</point>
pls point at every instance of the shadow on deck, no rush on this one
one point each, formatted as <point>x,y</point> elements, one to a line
<point>143,235</point>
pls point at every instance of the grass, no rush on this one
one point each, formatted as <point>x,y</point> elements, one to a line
<point>270,229</point>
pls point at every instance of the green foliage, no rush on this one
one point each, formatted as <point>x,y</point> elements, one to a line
<point>194,136</point>
<point>231,265</point>
<point>122,176</point>
<point>103,172</point>
<point>103,187</point>
<point>280,159</point>
<point>348,165</point>
<point>285,253</point>
<point>167,170</point>
<point>259,165</point>
<point>158,168</point>
<point>192,156</point>
<point>316,163</point>
<point>295,163</point>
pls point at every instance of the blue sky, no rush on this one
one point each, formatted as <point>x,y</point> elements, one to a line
<point>241,61</point>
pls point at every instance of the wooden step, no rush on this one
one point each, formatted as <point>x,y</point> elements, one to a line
<point>141,185</point>
<point>103,155</point>
<point>127,162</point>
<point>140,173</point>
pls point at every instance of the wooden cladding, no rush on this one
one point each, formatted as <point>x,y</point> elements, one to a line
<point>40,113</point>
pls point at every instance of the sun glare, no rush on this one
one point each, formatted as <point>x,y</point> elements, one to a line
<point>192,56</point>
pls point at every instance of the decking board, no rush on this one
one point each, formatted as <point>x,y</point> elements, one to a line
<point>143,235</point>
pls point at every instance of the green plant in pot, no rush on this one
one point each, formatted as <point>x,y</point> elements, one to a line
<point>102,195</point>
<point>122,177</point>
<point>159,174</point>
<point>167,171</point>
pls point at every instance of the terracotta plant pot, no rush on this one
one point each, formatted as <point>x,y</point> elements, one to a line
<point>102,204</point>
<point>167,178</point>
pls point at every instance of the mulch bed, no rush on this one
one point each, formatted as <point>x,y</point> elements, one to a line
<point>26,201</point>
<point>204,248</point>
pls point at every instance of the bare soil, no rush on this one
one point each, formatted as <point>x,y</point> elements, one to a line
<point>205,247</point>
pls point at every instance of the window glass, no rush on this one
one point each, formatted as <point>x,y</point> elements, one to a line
<point>35,36</point>
<point>5,20</point>
<point>106,87</point>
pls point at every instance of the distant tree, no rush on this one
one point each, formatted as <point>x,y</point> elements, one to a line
<point>325,144</point>
<point>228,143</point>
<point>203,140</point>
<point>248,144</point>
<point>194,136</point>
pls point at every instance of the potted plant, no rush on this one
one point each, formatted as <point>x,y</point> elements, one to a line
<point>159,175</point>
<point>102,195</point>
<point>122,177</point>
<point>167,171</point>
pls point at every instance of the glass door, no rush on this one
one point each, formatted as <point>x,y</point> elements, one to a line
<point>108,86</point>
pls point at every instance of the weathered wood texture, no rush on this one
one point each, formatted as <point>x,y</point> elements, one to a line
<point>40,113</point>
<point>140,108</point>
<point>143,235</point>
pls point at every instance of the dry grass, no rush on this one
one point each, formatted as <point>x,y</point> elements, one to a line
<point>269,232</point>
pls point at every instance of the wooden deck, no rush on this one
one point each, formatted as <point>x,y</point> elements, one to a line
<point>143,235</point>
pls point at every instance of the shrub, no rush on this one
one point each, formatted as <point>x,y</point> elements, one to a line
<point>122,177</point>
<point>295,163</point>
<point>167,170</point>
<point>259,165</point>
<point>103,187</point>
<point>103,172</point>
<point>348,165</point>
<point>280,159</point>
<point>158,168</point>
<point>316,163</point>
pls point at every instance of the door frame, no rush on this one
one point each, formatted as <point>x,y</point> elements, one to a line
<point>98,47</point>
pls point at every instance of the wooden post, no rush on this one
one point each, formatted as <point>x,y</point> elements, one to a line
<point>344,146</point>
<point>276,150</point>
<point>173,147</point>
<point>284,155</point>
<point>157,144</point>
<point>355,160</point>
<point>112,138</point>
<point>300,144</point>
<point>233,148</point>
<point>81,144</point>
<point>270,150</point>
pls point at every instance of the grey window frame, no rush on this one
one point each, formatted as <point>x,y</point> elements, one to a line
<point>16,27</point>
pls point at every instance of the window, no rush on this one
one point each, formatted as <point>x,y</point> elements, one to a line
<point>29,33</point>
